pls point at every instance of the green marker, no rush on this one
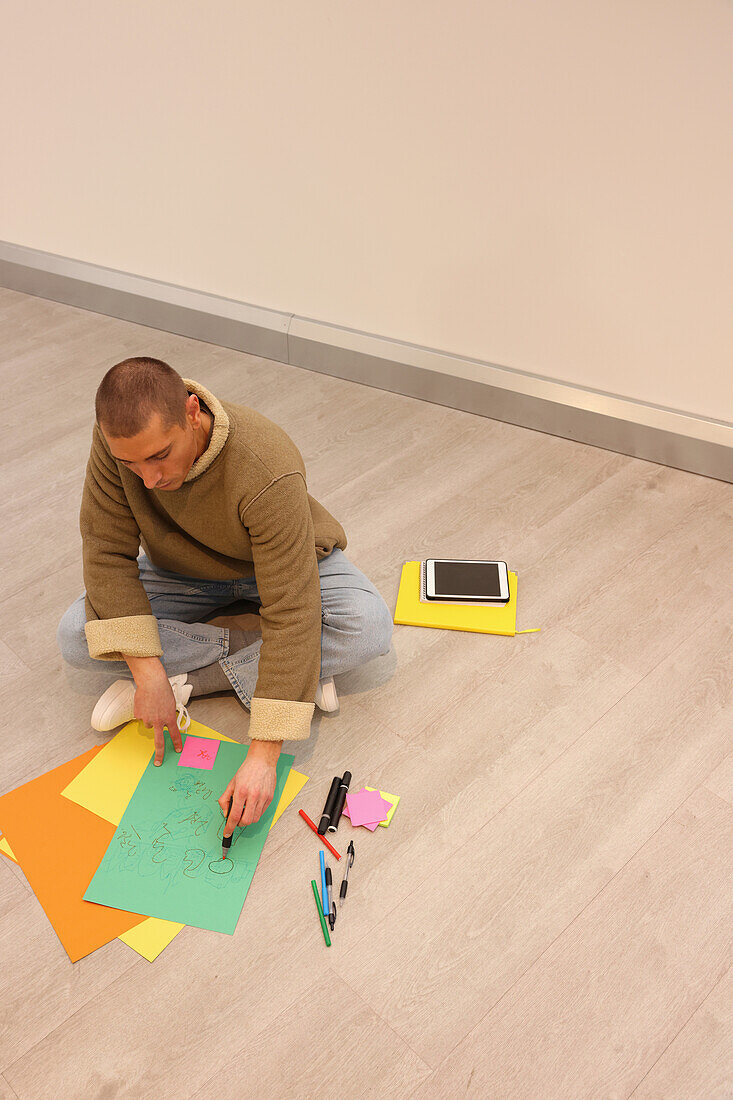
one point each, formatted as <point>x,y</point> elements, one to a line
<point>319,907</point>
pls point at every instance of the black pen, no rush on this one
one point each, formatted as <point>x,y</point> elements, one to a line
<point>226,841</point>
<point>349,865</point>
<point>331,904</point>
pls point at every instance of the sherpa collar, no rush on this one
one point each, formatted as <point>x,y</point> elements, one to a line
<point>219,432</point>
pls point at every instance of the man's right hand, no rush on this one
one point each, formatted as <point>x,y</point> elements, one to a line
<point>155,703</point>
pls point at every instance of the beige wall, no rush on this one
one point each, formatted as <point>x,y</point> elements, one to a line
<point>543,185</point>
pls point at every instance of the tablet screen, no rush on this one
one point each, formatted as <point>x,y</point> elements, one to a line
<point>463,578</point>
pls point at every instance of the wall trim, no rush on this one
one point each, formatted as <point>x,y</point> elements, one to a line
<point>668,436</point>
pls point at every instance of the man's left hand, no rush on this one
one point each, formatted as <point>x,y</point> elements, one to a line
<point>252,787</point>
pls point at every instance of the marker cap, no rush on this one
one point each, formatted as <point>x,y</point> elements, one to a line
<point>340,800</point>
<point>330,803</point>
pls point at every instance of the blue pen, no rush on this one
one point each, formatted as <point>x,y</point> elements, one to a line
<point>324,892</point>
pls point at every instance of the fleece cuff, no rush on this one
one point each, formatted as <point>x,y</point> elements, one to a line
<point>131,636</point>
<point>280,720</point>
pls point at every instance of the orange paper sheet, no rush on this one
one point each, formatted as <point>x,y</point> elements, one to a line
<point>59,845</point>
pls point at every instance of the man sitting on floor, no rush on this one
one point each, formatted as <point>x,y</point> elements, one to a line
<point>216,495</point>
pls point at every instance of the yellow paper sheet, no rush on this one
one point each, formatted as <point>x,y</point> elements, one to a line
<point>106,786</point>
<point>150,936</point>
<point>293,785</point>
<point>8,851</point>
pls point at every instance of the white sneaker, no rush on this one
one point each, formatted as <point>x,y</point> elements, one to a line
<point>117,705</point>
<point>326,697</point>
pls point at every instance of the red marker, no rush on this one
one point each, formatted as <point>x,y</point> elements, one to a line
<point>308,821</point>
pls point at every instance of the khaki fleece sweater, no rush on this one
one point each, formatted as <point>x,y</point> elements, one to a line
<point>243,509</point>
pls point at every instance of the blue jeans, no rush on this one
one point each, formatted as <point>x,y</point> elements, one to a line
<point>356,624</point>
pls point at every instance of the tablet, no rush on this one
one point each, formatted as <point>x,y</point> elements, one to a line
<point>467,580</point>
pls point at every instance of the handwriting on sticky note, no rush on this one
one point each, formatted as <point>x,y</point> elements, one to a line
<point>198,752</point>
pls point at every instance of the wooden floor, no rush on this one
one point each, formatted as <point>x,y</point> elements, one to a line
<point>550,913</point>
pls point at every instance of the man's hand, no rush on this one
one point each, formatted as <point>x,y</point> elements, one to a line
<point>155,703</point>
<point>252,787</point>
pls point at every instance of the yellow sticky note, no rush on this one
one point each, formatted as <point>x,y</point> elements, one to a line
<point>106,786</point>
<point>393,798</point>
<point>7,850</point>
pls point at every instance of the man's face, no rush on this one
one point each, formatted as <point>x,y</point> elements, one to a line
<point>162,458</point>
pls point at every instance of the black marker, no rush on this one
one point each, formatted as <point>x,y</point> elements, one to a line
<point>328,808</point>
<point>340,799</point>
<point>226,841</point>
<point>331,916</point>
<point>349,865</point>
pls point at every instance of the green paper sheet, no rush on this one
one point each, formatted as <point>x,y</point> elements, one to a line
<point>164,859</point>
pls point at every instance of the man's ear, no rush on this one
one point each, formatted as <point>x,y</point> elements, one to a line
<point>193,410</point>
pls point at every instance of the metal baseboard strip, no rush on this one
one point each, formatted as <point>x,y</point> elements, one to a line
<point>670,437</point>
<point>159,305</point>
<point>666,436</point>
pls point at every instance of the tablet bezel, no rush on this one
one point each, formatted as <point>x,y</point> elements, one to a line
<point>495,600</point>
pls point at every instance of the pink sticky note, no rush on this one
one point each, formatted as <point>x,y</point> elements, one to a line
<point>367,807</point>
<point>199,752</point>
<point>372,826</point>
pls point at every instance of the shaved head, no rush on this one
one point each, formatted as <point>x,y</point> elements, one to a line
<point>133,391</point>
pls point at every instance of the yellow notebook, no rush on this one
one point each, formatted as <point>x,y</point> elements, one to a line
<point>411,611</point>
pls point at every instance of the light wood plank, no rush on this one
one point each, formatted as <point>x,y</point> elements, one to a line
<point>44,525</point>
<point>11,889</point>
<point>6,1093</point>
<point>28,321</point>
<point>608,996</point>
<point>361,1056</point>
<point>39,987</point>
<point>10,664</point>
<point>490,910</point>
<point>475,495</point>
<point>463,765</point>
<point>665,593</point>
<point>720,781</point>
<point>698,1063</point>
<point>51,724</point>
<point>596,569</point>
<point>29,616</point>
<point>12,867</point>
<point>165,1032</point>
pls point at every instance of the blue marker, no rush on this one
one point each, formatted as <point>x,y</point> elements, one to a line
<point>324,892</point>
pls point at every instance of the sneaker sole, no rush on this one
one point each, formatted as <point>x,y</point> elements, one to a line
<point>106,706</point>
<point>329,703</point>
